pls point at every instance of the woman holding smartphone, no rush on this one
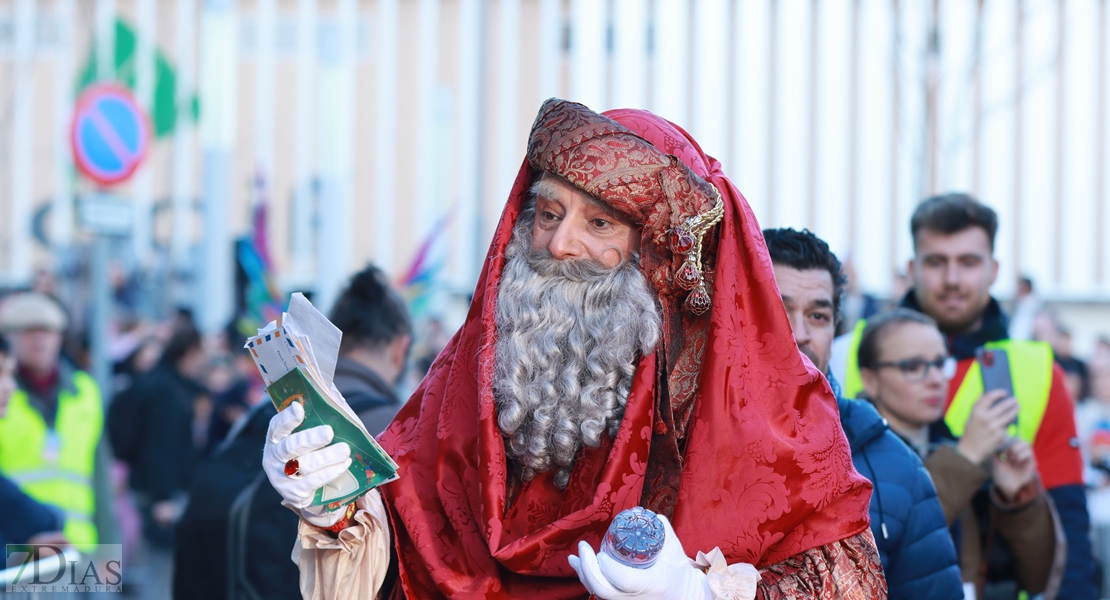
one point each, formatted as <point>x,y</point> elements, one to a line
<point>1003,524</point>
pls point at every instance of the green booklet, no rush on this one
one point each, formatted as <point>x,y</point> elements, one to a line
<point>296,357</point>
<point>370,465</point>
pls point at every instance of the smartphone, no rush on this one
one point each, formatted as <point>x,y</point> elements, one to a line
<point>994,365</point>
<point>995,368</point>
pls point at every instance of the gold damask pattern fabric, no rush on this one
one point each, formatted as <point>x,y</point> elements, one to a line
<point>845,570</point>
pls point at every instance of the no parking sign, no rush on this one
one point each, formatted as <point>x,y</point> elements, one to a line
<point>110,134</point>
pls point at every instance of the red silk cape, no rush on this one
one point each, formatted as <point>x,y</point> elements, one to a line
<point>766,473</point>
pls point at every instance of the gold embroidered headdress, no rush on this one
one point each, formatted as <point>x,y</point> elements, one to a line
<point>675,207</point>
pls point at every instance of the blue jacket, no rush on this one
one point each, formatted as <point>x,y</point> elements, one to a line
<point>21,517</point>
<point>906,518</point>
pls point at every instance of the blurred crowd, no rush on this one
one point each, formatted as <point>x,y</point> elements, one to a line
<point>166,459</point>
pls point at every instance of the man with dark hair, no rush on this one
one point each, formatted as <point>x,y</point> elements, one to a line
<point>953,269</point>
<point>948,214</point>
<point>804,268</point>
<point>909,527</point>
<point>377,333</point>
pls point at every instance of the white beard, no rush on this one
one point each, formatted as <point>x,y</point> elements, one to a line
<point>569,333</point>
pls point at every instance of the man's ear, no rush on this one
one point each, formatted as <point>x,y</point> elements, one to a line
<point>870,381</point>
<point>399,350</point>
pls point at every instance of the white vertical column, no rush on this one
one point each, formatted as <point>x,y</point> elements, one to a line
<point>266,18</point>
<point>304,165</point>
<point>551,49</point>
<point>1032,170</point>
<point>710,109</point>
<point>385,126</point>
<point>1102,202</point>
<point>428,209</point>
<point>833,147</point>
<point>431,137</point>
<point>508,98</point>
<point>812,122</point>
<point>957,104</point>
<point>146,34</point>
<point>749,104</point>
<point>62,220</point>
<point>105,38</point>
<point>630,52</point>
<point>774,70</point>
<point>588,53</point>
<point>467,255</point>
<point>337,116</point>
<point>788,90</point>
<point>184,145</point>
<point>670,87</point>
<point>219,90</point>
<point>875,110</point>
<point>22,141</point>
<point>1079,218</point>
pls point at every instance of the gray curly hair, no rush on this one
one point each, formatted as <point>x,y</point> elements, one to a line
<point>569,333</point>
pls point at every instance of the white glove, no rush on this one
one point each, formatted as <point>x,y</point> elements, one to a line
<point>318,463</point>
<point>673,575</point>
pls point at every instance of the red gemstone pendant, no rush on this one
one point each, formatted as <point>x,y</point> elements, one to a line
<point>682,241</point>
<point>687,276</point>
<point>699,301</point>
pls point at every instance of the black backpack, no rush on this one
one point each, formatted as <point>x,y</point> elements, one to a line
<point>124,424</point>
<point>235,538</point>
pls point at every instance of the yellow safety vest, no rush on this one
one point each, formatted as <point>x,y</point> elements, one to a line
<point>852,385</point>
<point>56,467</point>
<point>1030,373</point>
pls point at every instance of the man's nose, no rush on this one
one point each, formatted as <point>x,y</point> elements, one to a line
<point>801,332</point>
<point>567,242</point>
<point>951,274</point>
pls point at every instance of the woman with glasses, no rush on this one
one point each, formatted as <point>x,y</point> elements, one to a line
<point>1002,522</point>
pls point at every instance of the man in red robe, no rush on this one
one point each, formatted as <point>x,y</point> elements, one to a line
<point>626,346</point>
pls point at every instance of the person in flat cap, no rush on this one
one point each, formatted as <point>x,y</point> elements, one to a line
<point>626,346</point>
<point>49,436</point>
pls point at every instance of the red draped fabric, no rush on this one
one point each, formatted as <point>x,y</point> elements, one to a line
<point>766,473</point>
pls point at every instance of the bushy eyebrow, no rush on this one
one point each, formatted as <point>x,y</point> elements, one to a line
<point>822,302</point>
<point>544,188</point>
<point>961,256</point>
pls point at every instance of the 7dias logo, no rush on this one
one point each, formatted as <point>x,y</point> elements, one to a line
<point>50,568</point>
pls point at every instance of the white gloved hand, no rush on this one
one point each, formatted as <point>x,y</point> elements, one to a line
<point>318,463</point>
<point>672,576</point>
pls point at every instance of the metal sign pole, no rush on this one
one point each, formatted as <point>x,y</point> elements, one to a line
<point>101,295</point>
<point>101,315</point>
<point>106,217</point>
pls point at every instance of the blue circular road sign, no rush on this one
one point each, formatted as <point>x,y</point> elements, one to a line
<point>110,134</point>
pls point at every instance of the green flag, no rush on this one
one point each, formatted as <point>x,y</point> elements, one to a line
<point>163,112</point>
